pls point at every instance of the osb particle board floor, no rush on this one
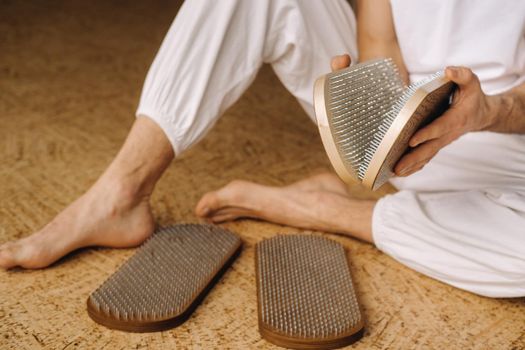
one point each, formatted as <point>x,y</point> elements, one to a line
<point>70,78</point>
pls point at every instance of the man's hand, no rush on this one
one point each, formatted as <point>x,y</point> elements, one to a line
<point>471,110</point>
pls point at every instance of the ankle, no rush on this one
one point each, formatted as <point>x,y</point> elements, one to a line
<point>358,222</point>
<point>124,192</point>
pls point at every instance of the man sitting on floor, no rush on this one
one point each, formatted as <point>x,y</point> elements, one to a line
<point>460,220</point>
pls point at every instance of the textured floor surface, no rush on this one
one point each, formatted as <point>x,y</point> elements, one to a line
<point>70,78</point>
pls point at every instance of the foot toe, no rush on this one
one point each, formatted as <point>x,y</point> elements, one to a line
<point>7,256</point>
<point>229,195</point>
<point>27,253</point>
<point>207,204</point>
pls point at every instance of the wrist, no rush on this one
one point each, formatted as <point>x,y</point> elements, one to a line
<point>498,108</point>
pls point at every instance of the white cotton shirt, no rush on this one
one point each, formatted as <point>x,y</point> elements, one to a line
<point>487,36</point>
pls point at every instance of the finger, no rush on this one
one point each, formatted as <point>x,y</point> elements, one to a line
<point>462,76</point>
<point>415,168</point>
<point>421,154</point>
<point>412,167</point>
<point>440,127</point>
<point>340,62</point>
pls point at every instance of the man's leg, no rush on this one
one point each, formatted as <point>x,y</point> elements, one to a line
<point>472,240</point>
<point>114,212</point>
<point>459,221</point>
<point>210,55</point>
<point>213,53</point>
<point>320,202</point>
<point>318,31</point>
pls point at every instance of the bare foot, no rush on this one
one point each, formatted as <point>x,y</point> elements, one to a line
<point>104,216</point>
<point>320,202</point>
<point>115,212</point>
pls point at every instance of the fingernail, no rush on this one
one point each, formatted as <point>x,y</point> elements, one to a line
<point>205,211</point>
<point>413,143</point>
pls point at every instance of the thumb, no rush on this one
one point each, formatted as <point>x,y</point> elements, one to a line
<point>462,76</point>
<point>340,62</point>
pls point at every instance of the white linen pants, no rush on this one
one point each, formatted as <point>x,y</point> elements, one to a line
<point>461,220</point>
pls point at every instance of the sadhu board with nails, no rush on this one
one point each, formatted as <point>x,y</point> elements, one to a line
<point>159,287</point>
<point>305,293</point>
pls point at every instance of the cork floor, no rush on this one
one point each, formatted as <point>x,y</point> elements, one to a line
<point>70,78</point>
